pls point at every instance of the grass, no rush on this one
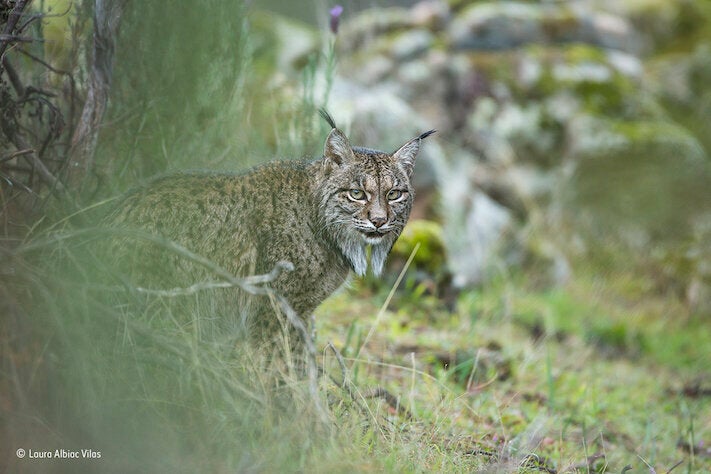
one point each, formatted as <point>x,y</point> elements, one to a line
<point>585,376</point>
<point>601,373</point>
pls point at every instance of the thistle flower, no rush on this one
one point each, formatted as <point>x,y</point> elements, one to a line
<point>335,14</point>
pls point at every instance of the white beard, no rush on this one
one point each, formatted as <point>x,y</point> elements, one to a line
<point>354,248</point>
<point>378,255</point>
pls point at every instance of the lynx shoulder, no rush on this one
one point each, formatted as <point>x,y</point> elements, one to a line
<point>320,215</point>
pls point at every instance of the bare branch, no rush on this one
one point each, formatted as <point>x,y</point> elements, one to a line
<point>246,283</point>
<point>16,154</point>
<point>31,155</point>
<point>14,77</point>
<point>34,17</point>
<point>675,466</point>
<point>13,182</point>
<point>19,39</point>
<point>45,64</point>
<point>12,20</point>
<point>341,364</point>
<point>38,165</point>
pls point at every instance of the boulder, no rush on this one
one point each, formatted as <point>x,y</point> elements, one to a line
<point>506,25</point>
<point>477,229</point>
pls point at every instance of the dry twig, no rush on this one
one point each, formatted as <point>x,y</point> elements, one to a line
<point>12,20</point>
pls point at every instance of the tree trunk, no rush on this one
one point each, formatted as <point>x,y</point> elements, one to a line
<point>107,16</point>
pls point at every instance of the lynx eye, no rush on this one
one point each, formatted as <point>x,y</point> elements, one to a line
<point>356,194</point>
<point>394,195</point>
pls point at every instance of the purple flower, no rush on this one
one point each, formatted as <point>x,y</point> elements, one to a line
<point>335,14</point>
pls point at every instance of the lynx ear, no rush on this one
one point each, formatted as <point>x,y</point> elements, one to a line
<point>407,153</point>
<point>337,149</point>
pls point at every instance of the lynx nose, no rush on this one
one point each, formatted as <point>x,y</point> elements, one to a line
<point>378,220</point>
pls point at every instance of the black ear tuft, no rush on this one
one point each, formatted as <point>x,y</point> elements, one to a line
<point>327,117</point>
<point>426,134</point>
<point>408,152</point>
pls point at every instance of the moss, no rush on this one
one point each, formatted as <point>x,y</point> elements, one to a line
<point>562,25</point>
<point>431,254</point>
<point>583,70</point>
<point>615,338</point>
<point>658,132</point>
<point>577,53</point>
<point>497,65</point>
<point>668,24</point>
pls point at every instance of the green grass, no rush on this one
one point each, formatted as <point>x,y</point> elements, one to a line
<point>581,372</point>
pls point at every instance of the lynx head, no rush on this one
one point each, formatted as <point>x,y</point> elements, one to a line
<point>365,197</point>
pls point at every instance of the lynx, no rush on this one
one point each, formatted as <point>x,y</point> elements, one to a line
<point>319,215</point>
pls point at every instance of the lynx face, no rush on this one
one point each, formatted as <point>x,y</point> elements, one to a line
<point>366,198</point>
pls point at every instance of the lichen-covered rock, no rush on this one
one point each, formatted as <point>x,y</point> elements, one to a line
<point>687,266</point>
<point>510,133</point>
<point>659,22</point>
<point>479,232</point>
<point>410,44</point>
<point>496,25</point>
<point>370,25</point>
<point>681,80</point>
<point>431,14</point>
<point>506,25</point>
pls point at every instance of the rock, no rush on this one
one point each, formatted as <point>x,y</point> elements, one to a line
<point>698,290</point>
<point>496,25</point>
<point>609,31</point>
<point>507,24</point>
<point>374,70</point>
<point>477,229</point>
<point>509,132</point>
<point>680,81</point>
<point>371,24</point>
<point>425,82</point>
<point>659,22</point>
<point>547,107</point>
<point>431,14</point>
<point>686,266</point>
<point>410,44</point>
<point>698,297</point>
<point>431,254</point>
